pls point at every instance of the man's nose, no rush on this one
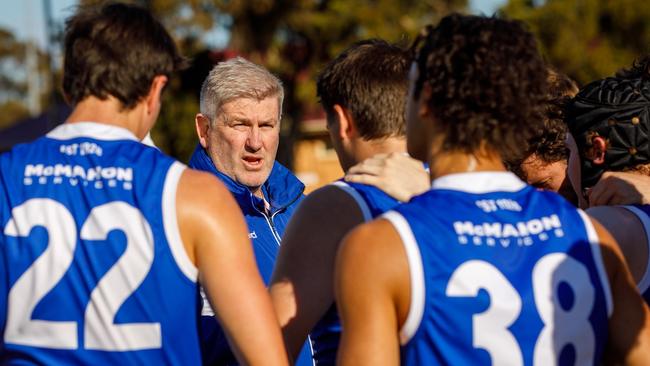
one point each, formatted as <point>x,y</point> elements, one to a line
<point>254,140</point>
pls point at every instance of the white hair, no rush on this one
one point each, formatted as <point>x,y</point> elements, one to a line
<point>238,78</point>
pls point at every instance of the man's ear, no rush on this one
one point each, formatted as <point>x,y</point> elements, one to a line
<point>202,124</point>
<point>346,127</point>
<point>153,98</point>
<point>597,151</point>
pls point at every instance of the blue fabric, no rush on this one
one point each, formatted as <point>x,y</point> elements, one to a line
<point>284,192</point>
<point>326,334</point>
<point>511,233</point>
<point>645,292</point>
<point>62,175</point>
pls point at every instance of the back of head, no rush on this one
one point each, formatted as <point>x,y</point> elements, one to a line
<point>369,79</point>
<point>234,79</point>
<point>115,50</point>
<point>549,142</point>
<point>618,110</point>
<point>487,82</point>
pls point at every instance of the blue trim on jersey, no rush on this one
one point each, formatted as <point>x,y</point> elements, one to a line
<point>643,213</point>
<point>510,232</point>
<point>326,335</point>
<point>78,175</point>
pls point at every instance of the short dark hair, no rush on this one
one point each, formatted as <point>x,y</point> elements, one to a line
<point>487,82</point>
<point>370,80</point>
<point>116,50</point>
<point>549,142</point>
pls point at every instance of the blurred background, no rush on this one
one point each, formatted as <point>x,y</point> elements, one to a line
<point>586,39</point>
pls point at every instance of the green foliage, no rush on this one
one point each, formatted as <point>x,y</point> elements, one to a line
<point>293,38</point>
<point>12,111</point>
<point>587,39</point>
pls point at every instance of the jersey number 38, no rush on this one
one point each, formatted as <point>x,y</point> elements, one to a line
<point>490,328</point>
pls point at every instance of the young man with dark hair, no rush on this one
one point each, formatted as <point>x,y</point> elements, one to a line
<point>544,162</point>
<point>362,91</point>
<point>483,269</point>
<point>103,239</point>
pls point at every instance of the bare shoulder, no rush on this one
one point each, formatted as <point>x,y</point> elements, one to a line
<point>372,262</point>
<point>373,250</point>
<point>610,250</point>
<point>326,206</point>
<point>629,232</point>
<point>206,212</point>
<point>199,187</point>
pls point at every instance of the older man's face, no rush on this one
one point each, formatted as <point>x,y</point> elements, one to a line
<point>243,140</point>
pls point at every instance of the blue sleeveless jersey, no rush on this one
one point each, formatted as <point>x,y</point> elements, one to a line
<point>93,268</point>
<point>501,274</point>
<point>643,214</point>
<point>326,334</point>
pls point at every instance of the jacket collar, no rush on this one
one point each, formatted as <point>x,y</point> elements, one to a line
<point>281,189</point>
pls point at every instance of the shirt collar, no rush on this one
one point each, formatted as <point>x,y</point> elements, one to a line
<point>480,182</point>
<point>94,130</point>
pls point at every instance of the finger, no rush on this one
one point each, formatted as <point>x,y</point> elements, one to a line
<point>363,179</point>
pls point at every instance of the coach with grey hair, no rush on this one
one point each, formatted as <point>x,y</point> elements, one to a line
<point>239,131</point>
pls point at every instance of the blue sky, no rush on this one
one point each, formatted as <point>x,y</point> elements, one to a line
<point>25,18</point>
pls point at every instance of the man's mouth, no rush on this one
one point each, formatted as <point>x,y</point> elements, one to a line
<point>253,162</point>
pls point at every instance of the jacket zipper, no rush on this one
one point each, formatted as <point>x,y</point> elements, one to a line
<point>269,221</point>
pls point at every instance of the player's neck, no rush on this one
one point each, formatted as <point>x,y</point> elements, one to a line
<point>109,112</point>
<point>445,163</point>
<point>365,149</point>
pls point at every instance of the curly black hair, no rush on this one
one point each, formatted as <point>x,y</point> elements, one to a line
<point>487,82</point>
<point>549,143</point>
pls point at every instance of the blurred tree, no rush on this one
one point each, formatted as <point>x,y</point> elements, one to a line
<point>587,39</point>
<point>292,38</point>
<point>13,88</point>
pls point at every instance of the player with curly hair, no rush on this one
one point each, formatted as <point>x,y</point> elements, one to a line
<point>483,269</point>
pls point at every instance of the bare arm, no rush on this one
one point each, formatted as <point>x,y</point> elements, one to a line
<point>399,175</point>
<point>373,294</point>
<point>302,282</point>
<point>628,231</point>
<point>620,188</point>
<point>216,239</point>
<point>629,325</point>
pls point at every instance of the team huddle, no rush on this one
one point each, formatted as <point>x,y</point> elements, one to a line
<point>491,212</point>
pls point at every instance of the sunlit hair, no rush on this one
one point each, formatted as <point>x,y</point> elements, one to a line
<point>234,79</point>
<point>549,142</point>
<point>116,50</point>
<point>370,80</point>
<point>487,82</point>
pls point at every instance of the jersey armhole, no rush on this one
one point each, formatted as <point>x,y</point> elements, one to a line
<point>598,260</point>
<point>416,274</point>
<point>363,205</point>
<point>645,221</point>
<point>170,222</point>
